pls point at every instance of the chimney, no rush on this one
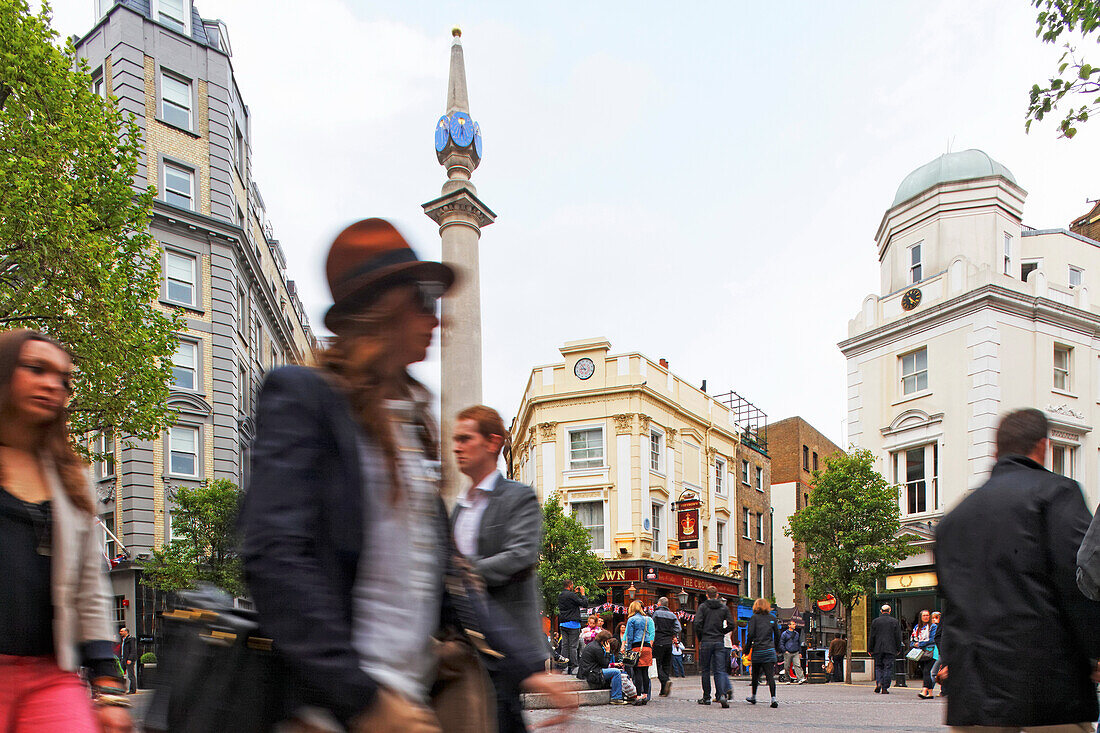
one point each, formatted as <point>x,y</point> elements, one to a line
<point>704,387</point>
<point>664,363</point>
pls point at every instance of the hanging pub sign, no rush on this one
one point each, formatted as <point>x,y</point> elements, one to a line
<point>687,528</point>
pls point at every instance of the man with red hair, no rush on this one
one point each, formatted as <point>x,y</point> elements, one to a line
<point>498,526</point>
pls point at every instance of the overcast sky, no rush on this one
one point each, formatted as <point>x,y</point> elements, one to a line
<point>699,182</point>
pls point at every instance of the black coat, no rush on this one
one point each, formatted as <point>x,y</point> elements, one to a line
<point>594,659</point>
<point>762,633</point>
<point>713,620</point>
<point>301,528</point>
<point>569,606</point>
<point>885,637</point>
<point>1006,561</point>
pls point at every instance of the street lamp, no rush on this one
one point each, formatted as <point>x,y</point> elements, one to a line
<point>682,597</point>
<point>632,591</point>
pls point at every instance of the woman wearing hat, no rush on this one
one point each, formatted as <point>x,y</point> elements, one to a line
<point>343,526</point>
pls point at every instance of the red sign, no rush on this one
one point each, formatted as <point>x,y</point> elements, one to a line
<point>621,575</point>
<point>828,603</point>
<point>687,529</point>
<point>688,504</point>
<point>686,581</point>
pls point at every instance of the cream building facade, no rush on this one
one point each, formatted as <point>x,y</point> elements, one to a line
<point>620,439</point>
<point>976,315</point>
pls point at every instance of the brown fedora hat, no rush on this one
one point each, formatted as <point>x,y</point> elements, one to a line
<point>365,259</point>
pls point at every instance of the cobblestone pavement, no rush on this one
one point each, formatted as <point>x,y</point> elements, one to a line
<point>819,708</point>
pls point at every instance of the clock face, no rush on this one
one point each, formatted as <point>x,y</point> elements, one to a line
<point>442,130</point>
<point>462,129</point>
<point>584,368</point>
<point>911,299</point>
<point>477,139</point>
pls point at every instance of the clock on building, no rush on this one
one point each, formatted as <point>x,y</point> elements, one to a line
<point>911,299</point>
<point>584,368</point>
<point>462,129</point>
<point>477,139</point>
<point>442,131</point>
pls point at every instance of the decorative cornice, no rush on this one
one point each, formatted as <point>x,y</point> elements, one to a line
<point>461,204</point>
<point>644,421</point>
<point>1065,409</point>
<point>190,403</point>
<point>246,427</point>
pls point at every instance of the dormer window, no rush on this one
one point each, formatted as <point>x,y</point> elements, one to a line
<point>915,263</point>
<point>172,13</point>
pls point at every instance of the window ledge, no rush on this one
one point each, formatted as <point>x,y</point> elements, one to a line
<point>911,397</point>
<point>1063,392</point>
<point>184,476</point>
<point>184,130</point>
<point>658,473</point>
<point>584,471</point>
<point>185,306</point>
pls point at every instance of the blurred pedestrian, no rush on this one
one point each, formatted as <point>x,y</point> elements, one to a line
<point>922,637</point>
<point>884,642</point>
<point>667,628</point>
<point>712,622</point>
<point>54,601</point>
<point>343,526</point>
<point>838,648</point>
<point>762,635</point>
<point>936,633</point>
<point>497,525</point>
<point>570,602</point>
<point>1020,640</point>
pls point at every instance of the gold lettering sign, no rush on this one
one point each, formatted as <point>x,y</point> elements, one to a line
<point>859,625</point>
<point>911,581</point>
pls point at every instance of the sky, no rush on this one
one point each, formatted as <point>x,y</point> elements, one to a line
<point>699,182</point>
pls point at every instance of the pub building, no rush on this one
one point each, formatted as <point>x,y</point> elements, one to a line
<point>646,581</point>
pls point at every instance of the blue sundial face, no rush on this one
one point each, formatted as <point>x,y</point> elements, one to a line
<point>442,130</point>
<point>477,139</point>
<point>462,129</point>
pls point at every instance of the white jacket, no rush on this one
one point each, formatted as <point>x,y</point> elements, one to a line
<point>78,583</point>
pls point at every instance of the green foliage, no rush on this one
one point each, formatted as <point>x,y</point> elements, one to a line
<point>148,658</point>
<point>849,529</point>
<point>76,260</point>
<point>204,548</point>
<point>566,555</point>
<point>1074,76</point>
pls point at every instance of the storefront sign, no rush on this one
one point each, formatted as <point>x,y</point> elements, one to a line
<point>912,581</point>
<point>689,583</point>
<point>685,504</point>
<point>687,529</point>
<point>828,603</point>
<point>621,575</point>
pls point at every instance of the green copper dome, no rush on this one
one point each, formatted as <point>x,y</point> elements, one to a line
<point>962,166</point>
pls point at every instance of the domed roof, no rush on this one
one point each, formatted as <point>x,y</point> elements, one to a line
<point>965,165</point>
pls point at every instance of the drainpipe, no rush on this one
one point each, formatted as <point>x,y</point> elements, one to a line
<point>771,544</point>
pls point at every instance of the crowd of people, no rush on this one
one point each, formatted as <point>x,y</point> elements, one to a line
<point>343,528</point>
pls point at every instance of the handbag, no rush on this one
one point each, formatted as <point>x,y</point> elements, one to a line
<point>631,657</point>
<point>829,667</point>
<point>646,657</point>
<point>217,672</point>
<point>916,654</point>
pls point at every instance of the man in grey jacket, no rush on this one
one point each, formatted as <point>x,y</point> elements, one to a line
<point>497,524</point>
<point>666,627</point>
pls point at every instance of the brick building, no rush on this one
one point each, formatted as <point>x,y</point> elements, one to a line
<point>797,449</point>
<point>222,268</point>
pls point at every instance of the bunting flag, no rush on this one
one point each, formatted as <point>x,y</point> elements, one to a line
<point>682,615</point>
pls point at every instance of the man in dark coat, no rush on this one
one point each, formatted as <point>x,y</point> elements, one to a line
<point>127,653</point>
<point>884,642</point>
<point>712,622</point>
<point>570,603</point>
<point>1006,561</point>
<point>497,525</point>
<point>838,647</point>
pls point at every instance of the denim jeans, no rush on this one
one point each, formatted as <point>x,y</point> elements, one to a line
<point>884,669</point>
<point>616,682</point>
<point>712,663</point>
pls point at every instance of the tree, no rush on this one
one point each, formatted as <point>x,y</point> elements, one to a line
<point>76,260</point>
<point>1074,76</point>
<point>204,548</point>
<point>566,555</point>
<point>849,531</point>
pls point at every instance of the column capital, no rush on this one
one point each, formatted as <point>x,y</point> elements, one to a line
<point>461,206</point>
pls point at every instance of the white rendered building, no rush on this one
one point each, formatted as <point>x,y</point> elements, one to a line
<point>976,315</point>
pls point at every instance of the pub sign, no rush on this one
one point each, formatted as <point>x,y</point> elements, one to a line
<point>687,528</point>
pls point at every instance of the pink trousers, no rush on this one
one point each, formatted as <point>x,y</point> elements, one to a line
<point>37,696</point>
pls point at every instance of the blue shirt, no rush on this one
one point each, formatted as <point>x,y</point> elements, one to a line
<point>570,625</point>
<point>636,629</point>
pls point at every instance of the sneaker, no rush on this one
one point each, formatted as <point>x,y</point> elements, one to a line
<point>619,701</point>
<point>775,704</point>
<point>750,700</point>
<point>703,701</point>
<point>802,681</point>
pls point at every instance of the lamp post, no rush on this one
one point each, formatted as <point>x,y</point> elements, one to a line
<point>631,591</point>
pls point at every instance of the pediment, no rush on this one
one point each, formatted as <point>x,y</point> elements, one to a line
<point>189,402</point>
<point>691,433</point>
<point>912,419</point>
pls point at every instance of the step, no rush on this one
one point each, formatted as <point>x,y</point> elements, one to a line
<point>583,698</point>
<point>568,682</point>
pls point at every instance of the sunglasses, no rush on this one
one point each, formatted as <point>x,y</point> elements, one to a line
<point>427,295</point>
